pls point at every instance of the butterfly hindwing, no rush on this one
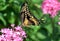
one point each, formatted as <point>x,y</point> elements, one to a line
<point>26,17</point>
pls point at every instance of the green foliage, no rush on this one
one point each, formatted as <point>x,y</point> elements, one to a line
<point>47,30</point>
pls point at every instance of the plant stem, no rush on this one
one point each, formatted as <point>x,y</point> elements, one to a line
<point>54,30</point>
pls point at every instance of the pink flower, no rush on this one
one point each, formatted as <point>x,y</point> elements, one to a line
<point>59,23</point>
<point>15,34</point>
<point>12,25</point>
<point>18,28</point>
<point>50,7</point>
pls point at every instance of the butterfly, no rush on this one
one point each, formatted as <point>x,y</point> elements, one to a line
<point>27,18</point>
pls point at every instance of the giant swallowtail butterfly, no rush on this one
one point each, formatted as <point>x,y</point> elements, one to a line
<point>26,17</point>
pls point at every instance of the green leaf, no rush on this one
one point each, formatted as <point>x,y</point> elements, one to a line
<point>40,35</point>
<point>35,28</point>
<point>49,28</point>
<point>10,1</point>
<point>16,8</point>
<point>2,19</point>
<point>36,14</point>
<point>59,39</point>
<point>2,1</point>
<point>33,37</point>
<point>3,7</point>
<point>38,1</point>
<point>12,18</point>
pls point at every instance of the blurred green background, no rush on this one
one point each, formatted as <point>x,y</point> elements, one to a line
<point>48,29</point>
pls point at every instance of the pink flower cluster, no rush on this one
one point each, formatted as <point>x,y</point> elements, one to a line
<point>15,34</point>
<point>50,7</point>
